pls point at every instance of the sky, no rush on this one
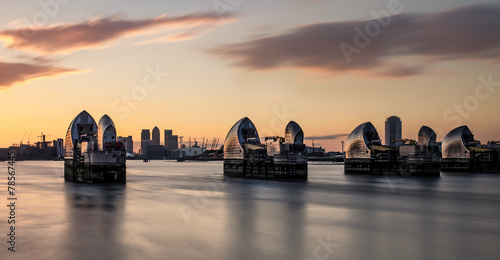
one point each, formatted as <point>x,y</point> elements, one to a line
<point>198,66</point>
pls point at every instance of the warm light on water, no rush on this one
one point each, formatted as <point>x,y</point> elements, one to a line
<point>170,210</point>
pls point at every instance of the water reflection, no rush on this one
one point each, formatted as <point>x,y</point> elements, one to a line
<point>95,217</point>
<point>266,219</point>
<point>451,217</point>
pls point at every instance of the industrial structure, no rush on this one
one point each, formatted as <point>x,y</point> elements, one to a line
<point>462,153</point>
<point>366,154</point>
<point>91,151</point>
<point>278,157</point>
<point>419,157</point>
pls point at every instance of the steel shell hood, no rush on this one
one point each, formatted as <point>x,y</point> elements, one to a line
<point>455,143</point>
<point>426,136</point>
<point>294,133</point>
<point>360,140</point>
<point>72,135</point>
<point>106,131</point>
<point>241,132</point>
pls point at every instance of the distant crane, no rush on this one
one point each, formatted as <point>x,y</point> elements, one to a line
<point>217,143</point>
<point>21,143</point>
<point>42,138</point>
<point>180,145</point>
<point>212,147</point>
<point>29,137</point>
<point>214,144</point>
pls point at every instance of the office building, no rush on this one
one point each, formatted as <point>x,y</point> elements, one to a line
<point>128,144</point>
<point>154,151</point>
<point>145,138</point>
<point>156,136</point>
<point>171,141</point>
<point>393,131</point>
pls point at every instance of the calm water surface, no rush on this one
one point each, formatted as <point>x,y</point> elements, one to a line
<point>171,210</point>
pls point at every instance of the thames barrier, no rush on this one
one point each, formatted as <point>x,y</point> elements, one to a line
<point>459,151</point>
<point>278,157</point>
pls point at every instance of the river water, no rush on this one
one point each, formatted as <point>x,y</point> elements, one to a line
<point>189,210</point>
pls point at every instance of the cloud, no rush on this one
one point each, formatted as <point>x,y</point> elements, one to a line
<point>404,47</point>
<point>189,34</point>
<point>14,73</point>
<point>38,60</point>
<point>94,33</point>
<point>326,137</point>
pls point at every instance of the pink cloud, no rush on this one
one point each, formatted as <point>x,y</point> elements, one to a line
<point>15,73</point>
<point>67,38</point>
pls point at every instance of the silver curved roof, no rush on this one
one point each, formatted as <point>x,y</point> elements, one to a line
<point>106,131</point>
<point>72,134</point>
<point>243,131</point>
<point>360,140</point>
<point>294,133</point>
<point>426,136</point>
<point>455,143</point>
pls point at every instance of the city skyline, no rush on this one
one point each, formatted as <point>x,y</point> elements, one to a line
<point>198,67</point>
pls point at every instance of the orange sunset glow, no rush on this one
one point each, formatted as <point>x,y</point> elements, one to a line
<point>194,68</point>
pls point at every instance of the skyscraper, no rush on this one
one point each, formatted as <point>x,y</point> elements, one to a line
<point>171,143</point>
<point>145,137</point>
<point>156,136</point>
<point>145,134</point>
<point>168,135</point>
<point>129,144</point>
<point>393,131</point>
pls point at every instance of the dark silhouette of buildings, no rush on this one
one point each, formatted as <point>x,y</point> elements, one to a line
<point>145,140</point>
<point>128,143</point>
<point>171,143</point>
<point>45,150</point>
<point>156,136</point>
